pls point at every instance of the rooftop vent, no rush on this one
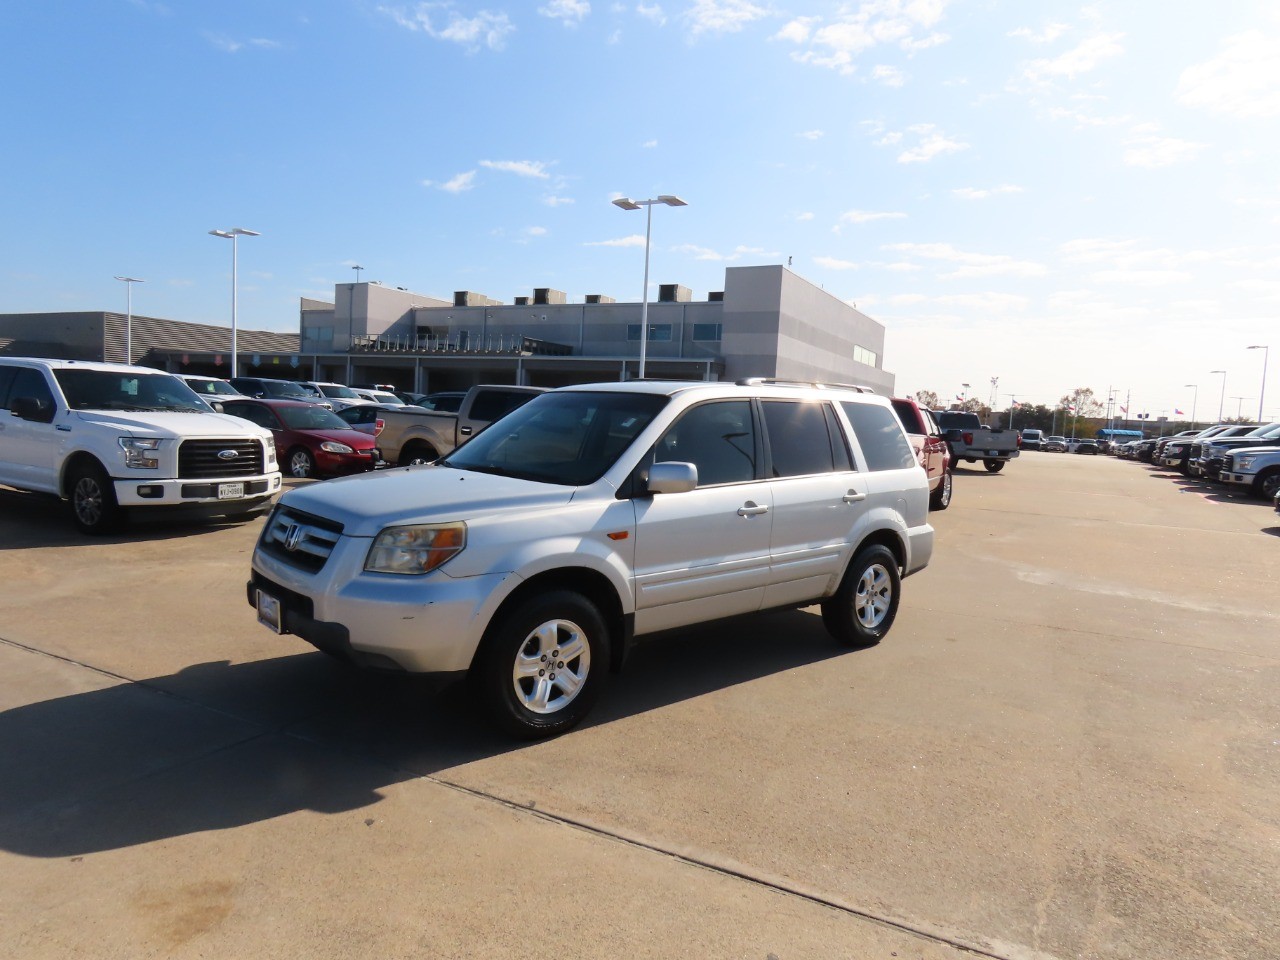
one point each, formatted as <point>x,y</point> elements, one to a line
<point>674,293</point>
<point>547,295</point>
<point>599,298</point>
<point>715,296</point>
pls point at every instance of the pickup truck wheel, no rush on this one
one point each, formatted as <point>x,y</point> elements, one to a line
<point>863,608</point>
<point>418,453</point>
<point>93,501</point>
<point>993,466</point>
<point>1267,483</point>
<point>536,670</point>
<point>301,463</point>
<point>940,499</point>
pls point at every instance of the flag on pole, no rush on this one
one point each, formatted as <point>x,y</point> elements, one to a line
<point>959,396</point>
<point>1016,404</point>
<point>1124,409</point>
<point>1178,412</point>
<point>1071,408</point>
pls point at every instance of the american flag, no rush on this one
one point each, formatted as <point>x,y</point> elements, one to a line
<point>1124,409</point>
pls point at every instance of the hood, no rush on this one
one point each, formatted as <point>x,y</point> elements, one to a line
<point>148,423</point>
<point>367,502</point>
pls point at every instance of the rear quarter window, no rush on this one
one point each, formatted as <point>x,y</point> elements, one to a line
<point>880,435</point>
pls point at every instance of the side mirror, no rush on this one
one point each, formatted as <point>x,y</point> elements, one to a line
<point>32,408</point>
<point>672,477</point>
<point>217,406</point>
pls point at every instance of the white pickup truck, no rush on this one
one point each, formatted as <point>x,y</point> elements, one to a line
<point>113,438</point>
<point>971,441</point>
<point>531,556</point>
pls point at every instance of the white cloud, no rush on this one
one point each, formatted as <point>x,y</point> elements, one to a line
<point>571,12</point>
<point>1150,151</point>
<point>1080,59</point>
<point>971,264</point>
<point>1242,81</point>
<point>831,263</point>
<point>706,253</point>
<point>837,44</point>
<point>889,76</point>
<point>635,240</point>
<point>930,143</point>
<point>722,16</point>
<point>866,216</point>
<point>485,29</point>
<point>1140,278</point>
<point>811,135</point>
<point>976,193</point>
<point>1050,33</point>
<point>227,45</point>
<point>649,144</point>
<point>652,13</point>
<point>521,168</point>
<point>554,201</point>
<point>463,181</point>
<point>804,217</point>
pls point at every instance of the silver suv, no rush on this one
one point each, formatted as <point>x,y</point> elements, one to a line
<point>532,556</point>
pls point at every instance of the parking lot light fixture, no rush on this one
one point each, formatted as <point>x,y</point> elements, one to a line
<point>1223,397</point>
<point>233,235</point>
<point>1262,391</point>
<point>626,203</point>
<point>128,319</point>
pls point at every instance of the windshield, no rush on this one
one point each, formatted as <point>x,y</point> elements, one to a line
<point>285,388</point>
<point>311,417</point>
<point>336,392</point>
<point>109,390</point>
<point>216,388</point>
<point>566,438</point>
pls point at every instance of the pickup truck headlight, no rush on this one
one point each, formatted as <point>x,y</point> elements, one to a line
<point>1245,462</point>
<point>415,549</point>
<point>332,446</point>
<point>140,452</point>
<point>270,446</point>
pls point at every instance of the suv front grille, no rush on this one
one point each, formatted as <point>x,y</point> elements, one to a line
<point>208,459</point>
<point>299,539</point>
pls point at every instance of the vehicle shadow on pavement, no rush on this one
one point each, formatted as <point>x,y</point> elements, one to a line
<point>220,745</point>
<point>42,520</point>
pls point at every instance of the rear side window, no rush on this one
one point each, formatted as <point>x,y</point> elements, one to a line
<point>911,421</point>
<point>495,404</point>
<point>880,435</point>
<point>799,444</point>
<point>6,378</point>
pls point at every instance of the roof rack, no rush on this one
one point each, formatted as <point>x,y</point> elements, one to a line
<point>771,382</point>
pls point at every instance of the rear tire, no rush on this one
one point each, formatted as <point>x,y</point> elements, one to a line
<point>418,453</point>
<point>93,501</point>
<point>940,499</point>
<point>993,466</point>
<point>542,665</point>
<point>863,608</point>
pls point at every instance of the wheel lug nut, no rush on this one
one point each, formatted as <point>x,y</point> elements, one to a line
<point>544,658</point>
<point>560,665</point>
<point>542,673</point>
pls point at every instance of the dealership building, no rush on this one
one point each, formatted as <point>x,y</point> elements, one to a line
<point>766,322</point>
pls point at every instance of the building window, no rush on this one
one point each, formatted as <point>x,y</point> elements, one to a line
<point>658,332</point>
<point>863,355</point>
<point>321,337</point>
<point>707,331</point>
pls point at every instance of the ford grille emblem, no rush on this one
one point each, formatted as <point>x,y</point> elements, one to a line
<point>228,454</point>
<point>293,536</point>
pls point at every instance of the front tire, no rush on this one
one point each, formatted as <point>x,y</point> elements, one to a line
<point>542,666</point>
<point>993,466</point>
<point>1267,484</point>
<point>301,463</point>
<point>940,499</point>
<point>864,607</point>
<point>93,501</point>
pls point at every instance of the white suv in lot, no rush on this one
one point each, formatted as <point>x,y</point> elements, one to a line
<point>534,554</point>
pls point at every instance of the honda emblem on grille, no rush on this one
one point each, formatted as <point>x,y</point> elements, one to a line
<point>228,454</point>
<point>293,536</point>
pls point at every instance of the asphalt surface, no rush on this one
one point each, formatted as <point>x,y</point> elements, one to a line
<point>1068,746</point>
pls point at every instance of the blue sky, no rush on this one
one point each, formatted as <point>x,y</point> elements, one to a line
<point>1057,195</point>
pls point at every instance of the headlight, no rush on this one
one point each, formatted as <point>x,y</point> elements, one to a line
<point>332,446</point>
<point>416,549</point>
<point>140,452</point>
<point>269,445</point>
<point>1245,462</point>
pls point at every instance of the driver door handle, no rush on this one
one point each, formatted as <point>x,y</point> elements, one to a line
<point>853,496</point>
<point>751,509</point>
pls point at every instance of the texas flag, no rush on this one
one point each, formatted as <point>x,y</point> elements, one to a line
<point>1178,412</point>
<point>1124,409</point>
<point>1071,407</point>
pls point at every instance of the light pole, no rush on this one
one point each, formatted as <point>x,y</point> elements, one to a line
<point>128,320</point>
<point>628,204</point>
<point>1194,397</point>
<point>1240,406</point>
<point>964,396</point>
<point>357,268</point>
<point>1266,353</point>
<point>233,234</point>
<point>1223,397</point>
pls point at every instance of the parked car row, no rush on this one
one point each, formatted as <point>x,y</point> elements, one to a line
<point>1243,457</point>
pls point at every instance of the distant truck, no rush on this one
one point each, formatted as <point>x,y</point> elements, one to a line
<point>412,435</point>
<point>971,442</point>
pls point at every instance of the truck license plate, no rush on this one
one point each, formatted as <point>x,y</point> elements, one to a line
<point>269,612</point>
<point>230,491</point>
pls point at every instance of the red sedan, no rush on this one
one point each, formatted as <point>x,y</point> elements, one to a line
<point>310,440</point>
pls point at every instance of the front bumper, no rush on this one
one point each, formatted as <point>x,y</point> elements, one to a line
<point>228,496</point>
